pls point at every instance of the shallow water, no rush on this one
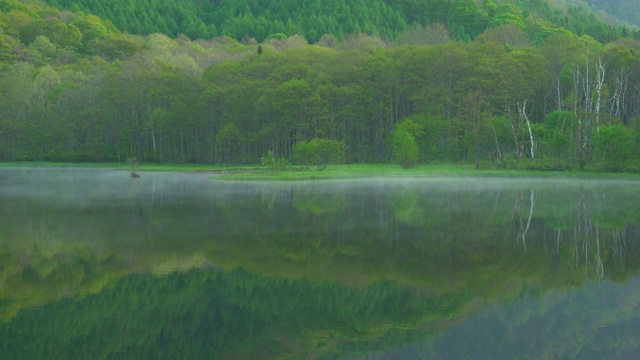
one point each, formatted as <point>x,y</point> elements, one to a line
<point>95,264</point>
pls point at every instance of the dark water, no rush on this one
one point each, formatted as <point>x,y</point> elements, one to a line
<point>96,265</point>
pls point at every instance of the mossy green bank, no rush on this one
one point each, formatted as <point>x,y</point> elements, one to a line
<point>343,171</point>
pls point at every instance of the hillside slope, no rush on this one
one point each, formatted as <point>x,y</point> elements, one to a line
<point>625,10</point>
<point>247,19</point>
<point>240,18</point>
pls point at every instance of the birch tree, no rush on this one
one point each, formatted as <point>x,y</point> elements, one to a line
<point>588,81</point>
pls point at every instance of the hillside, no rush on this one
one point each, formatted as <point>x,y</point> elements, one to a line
<point>625,10</point>
<point>249,19</point>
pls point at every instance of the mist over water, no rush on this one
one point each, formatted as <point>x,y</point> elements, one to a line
<point>77,187</point>
<point>384,268</point>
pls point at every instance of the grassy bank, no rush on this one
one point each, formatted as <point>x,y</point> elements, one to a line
<point>346,171</point>
<point>352,171</point>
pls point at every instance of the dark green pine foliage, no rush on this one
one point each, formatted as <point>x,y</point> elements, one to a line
<point>257,19</point>
<point>242,19</point>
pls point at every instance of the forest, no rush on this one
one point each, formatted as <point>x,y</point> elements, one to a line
<point>245,19</point>
<point>611,10</point>
<point>504,84</point>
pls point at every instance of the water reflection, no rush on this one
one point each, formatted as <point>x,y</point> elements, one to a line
<point>598,321</point>
<point>399,261</point>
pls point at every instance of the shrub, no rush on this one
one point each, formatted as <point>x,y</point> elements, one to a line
<point>319,152</point>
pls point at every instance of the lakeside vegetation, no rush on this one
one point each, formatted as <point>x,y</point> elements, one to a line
<point>363,171</point>
<point>336,171</point>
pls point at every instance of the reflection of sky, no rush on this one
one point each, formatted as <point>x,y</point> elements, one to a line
<point>597,321</point>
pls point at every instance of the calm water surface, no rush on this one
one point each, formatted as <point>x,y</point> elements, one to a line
<point>96,265</point>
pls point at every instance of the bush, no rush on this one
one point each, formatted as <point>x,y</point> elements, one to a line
<point>319,152</point>
<point>405,149</point>
<point>273,165</point>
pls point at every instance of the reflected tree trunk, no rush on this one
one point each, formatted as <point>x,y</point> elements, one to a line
<point>526,229</point>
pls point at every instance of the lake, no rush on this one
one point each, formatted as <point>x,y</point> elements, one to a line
<point>97,265</point>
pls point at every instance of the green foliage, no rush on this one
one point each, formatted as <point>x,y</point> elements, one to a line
<point>115,47</point>
<point>558,140</point>
<point>73,88</point>
<point>257,19</point>
<point>44,47</point>
<point>405,147</point>
<point>260,20</point>
<point>228,142</point>
<point>615,146</point>
<point>303,154</point>
<point>273,165</point>
<point>507,14</point>
<point>277,36</point>
<point>561,120</point>
<point>319,152</point>
<point>268,161</point>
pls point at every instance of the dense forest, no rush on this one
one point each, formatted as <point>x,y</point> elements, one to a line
<point>246,19</point>
<point>507,84</point>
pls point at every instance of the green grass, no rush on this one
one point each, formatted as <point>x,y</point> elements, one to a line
<point>344,172</point>
<point>352,171</point>
<point>347,171</point>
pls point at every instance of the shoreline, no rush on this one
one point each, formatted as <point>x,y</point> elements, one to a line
<point>334,172</point>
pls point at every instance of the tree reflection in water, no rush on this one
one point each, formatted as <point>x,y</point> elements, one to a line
<point>397,260</point>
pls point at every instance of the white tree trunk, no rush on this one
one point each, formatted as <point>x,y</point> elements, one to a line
<point>523,116</point>
<point>600,73</point>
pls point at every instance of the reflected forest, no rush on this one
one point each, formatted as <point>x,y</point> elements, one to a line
<point>331,268</point>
